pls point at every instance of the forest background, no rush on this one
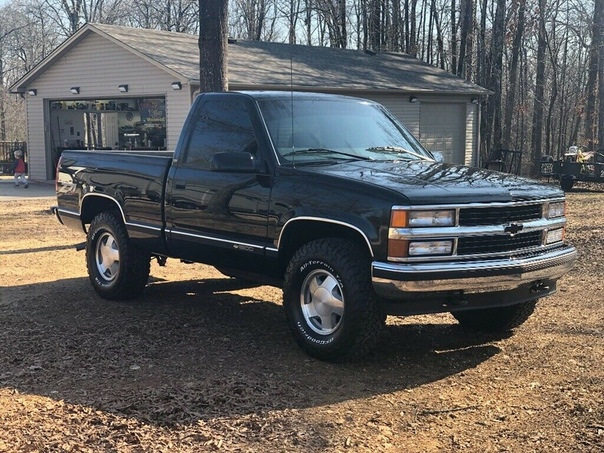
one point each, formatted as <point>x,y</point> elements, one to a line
<point>543,60</point>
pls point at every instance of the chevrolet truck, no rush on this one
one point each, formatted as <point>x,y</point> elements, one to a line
<point>331,199</point>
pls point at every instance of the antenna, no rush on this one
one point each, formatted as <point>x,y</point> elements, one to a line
<point>291,90</point>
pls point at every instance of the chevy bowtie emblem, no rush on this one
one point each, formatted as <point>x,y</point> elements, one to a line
<point>513,228</point>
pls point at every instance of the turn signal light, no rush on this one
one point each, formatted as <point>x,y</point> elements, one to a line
<point>398,219</point>
<point>398,248</point>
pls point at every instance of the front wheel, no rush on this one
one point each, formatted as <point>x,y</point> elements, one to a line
<point>328,300</point>
<point>116,268</point>
<point>499,319</point>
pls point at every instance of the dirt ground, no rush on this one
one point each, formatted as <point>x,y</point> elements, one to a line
<point>204,363</point>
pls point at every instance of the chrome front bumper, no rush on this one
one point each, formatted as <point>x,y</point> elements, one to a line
<point>393,280</point>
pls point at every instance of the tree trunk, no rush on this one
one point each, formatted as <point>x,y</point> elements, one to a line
<point>494,104</point>
<point>590,89</point>
<point>413,29</point>
<point>481,70</point>
<point>537,130</point>
<point>374,25</point>
<point>553,94</point>
<point>511,95</point>
<point>308,22</point>
<point>439,37</point>
<point>406,19</point>
<point>599,19</point>
<point>342,23</point>
<point>213,39</point>
<point>466,22</point>
<point>2,112</point>
<point>395,40</point>
<point>453,37</point>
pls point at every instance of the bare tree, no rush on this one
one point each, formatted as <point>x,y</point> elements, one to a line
<point>213,39</point>
<point>599,38</point>
<point>171,15</point>
<point>538,57</point>
<point>466,20</point>
<point>493,116</point>
<point>250,17</point>
<point>537,129</point>
<point>520,6</point>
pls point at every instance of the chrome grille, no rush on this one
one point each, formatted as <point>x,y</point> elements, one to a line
<point>499,215</point>
<point>475,245</point>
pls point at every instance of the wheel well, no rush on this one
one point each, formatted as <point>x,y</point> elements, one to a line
<point>301,232</point>
<point>94,205</point>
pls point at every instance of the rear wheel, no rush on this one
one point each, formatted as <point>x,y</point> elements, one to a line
<point>329,302</point>
<point>499,319</point>
<point>116,268</point>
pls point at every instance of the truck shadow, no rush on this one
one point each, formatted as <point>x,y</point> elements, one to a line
<point>196,350</point>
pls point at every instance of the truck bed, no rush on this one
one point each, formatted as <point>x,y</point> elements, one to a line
<point>132,182</point>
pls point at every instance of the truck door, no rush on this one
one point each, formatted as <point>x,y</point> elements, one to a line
<point>217,213</point>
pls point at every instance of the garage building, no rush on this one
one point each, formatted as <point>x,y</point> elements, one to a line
<point>112,87</point>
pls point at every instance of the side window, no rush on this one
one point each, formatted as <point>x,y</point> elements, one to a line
<point>221,126</point>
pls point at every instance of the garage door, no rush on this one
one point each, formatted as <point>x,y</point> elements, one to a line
<point>442,128</point>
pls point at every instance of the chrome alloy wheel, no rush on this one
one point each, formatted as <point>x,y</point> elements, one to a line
<point>322,302</point>
<point>107,257</point>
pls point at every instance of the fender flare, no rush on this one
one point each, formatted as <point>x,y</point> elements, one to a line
<point>324,220</point>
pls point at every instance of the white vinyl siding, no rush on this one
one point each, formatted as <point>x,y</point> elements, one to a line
<point>398,104</point>
<point>98,66</point>
<point>443,129</point>
<point>36,132</point>
<point>471,157</point>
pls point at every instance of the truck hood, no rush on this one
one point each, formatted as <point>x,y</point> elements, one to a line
<point>426,182</point>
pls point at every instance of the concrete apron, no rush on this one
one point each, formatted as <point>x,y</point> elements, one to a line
<point>36,189</point>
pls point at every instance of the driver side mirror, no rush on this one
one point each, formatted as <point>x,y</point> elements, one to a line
<point>241,162</point>
<point>438,156</point>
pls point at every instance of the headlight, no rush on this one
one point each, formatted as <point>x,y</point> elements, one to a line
<point>553,236</point>
<point>404,219</point>
<point>555,210</point>
<point>404,248</point>
<point>430,248</point>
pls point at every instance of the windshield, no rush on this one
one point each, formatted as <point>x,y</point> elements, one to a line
<point>335,130</point>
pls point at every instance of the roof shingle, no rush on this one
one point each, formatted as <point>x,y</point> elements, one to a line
<point>255,64</point>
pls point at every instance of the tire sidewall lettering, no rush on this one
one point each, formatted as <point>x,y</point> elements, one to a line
<point>310,265</point>
<point>302,327</point>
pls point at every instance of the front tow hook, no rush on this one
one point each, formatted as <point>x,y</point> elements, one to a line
<point>539,287</point>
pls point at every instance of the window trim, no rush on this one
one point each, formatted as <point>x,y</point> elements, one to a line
<point>197,114</point>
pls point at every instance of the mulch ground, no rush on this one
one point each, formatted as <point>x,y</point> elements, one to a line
<point>205,363</point>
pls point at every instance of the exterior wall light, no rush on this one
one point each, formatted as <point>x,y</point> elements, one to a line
<point>123,88</point>
<point>32,92</point>
<point>413,99</point>
<point>474,100</point>
<point>176,86</point>
<point>75,90</point>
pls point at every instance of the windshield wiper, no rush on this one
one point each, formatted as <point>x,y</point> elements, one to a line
<point>396,150</point>
<point>325,151</point>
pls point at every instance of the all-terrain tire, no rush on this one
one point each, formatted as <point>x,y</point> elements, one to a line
<point>116,268</point>
<point>329,302</point>
<point>499,319</point>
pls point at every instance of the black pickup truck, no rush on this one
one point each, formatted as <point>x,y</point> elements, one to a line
<point>330,198</point>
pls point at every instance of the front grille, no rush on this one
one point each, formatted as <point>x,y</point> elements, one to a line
<point>496,244</point>
<point>499,215</point>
